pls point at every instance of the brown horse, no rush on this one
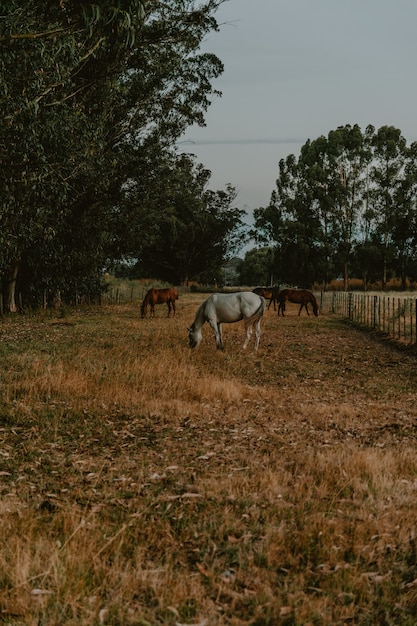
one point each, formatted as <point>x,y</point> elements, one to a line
<point>159,296</point>
<point>303,297</point>
<point>269,293</point>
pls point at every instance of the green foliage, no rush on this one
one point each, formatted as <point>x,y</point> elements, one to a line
<point>189,230</point>
<point>349,200</point>
<point>256,268</point>
<point>93,95</point>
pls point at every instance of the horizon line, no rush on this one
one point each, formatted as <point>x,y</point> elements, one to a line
<point>202,142</point>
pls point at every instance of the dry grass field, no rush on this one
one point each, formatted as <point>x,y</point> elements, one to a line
<point>143,483</point>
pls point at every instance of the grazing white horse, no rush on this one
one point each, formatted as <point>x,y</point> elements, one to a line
<point>228,308</point>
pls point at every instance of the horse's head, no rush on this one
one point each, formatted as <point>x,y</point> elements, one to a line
<point>194,337</point>
<point>143,310</point>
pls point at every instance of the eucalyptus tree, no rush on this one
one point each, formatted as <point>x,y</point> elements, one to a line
<point>86,89</point>
<point>193,230</point>
<point>349,158</point>
<point>316,169</point>
<point>404,233</point>
<point>390,198</point>
<point>257,267</point>
<point>314,211</point>
<point>366,261</point>
<point>289,223</point>
<point>349,198</point>
<point>393,197</point>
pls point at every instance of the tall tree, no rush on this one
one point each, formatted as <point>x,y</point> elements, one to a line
<point>349,155</point>
<point>87,88</point>
<point>257,267</point>
<point>290,221</point>
<point>387,175</point>
<point>350,193</point>
<point>194,228</point>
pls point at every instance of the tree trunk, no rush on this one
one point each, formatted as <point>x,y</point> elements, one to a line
<point>10,288</point>
<point>365,280</point>
<point>346,277</point>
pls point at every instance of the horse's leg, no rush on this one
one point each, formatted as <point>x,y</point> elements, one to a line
<point>220,330</point>
<point>257,333</point>
<point>169,307</point>
<point>217,328</point>
<point>248,329</point>
<point>173,307</point>
<point>152,310</point>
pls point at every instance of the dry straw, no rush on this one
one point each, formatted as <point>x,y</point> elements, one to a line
<point>143,483</point>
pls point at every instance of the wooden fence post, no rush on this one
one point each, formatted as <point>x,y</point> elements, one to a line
<point>415,318</point>
<point>399,317</point>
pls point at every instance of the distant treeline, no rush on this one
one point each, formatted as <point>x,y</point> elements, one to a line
<point>346,206</point>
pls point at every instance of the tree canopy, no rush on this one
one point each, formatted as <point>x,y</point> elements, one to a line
<point>94,96</point>
<point>348,202</point>
<point>193,230</point>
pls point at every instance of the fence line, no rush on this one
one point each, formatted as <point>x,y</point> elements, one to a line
<point>124,293</point>
<point>394,316</point>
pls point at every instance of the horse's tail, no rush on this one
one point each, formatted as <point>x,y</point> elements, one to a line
<point>258,313</point>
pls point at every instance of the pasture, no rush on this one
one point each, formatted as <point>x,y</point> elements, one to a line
<point>145,483</point>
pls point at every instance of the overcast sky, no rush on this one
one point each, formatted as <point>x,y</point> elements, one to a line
<point>296,69</point>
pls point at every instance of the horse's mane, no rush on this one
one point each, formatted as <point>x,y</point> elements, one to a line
<point>199,316</point>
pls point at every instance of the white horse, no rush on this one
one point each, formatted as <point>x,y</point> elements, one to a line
<point>227,308</point>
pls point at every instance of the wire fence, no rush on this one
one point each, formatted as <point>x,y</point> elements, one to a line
<point>127,291</point>
<point>394,316</point>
